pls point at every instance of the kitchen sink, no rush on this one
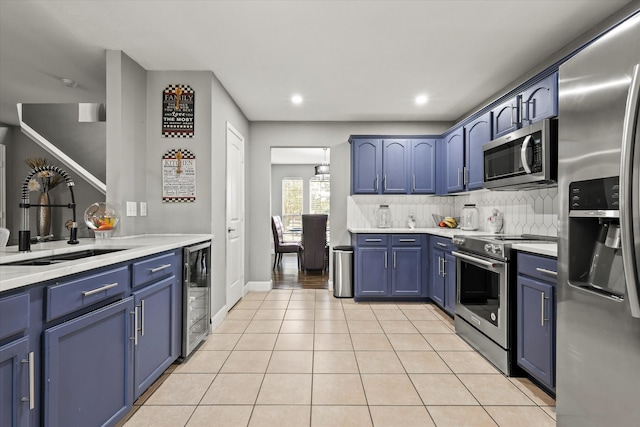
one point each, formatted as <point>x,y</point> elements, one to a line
<point>56,259</point>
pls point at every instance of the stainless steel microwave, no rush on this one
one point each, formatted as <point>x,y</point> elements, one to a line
<point>525,158</point>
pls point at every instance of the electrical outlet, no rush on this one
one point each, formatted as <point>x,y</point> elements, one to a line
<point>131,209</point>
<point>143,208</point>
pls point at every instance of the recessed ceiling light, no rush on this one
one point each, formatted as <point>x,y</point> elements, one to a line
<point>296,99</point>
<point>69,82</point>
<point>421,99</point>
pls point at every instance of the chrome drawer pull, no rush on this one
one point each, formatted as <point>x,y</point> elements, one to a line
<point>31,398</point>
<point>441,244</point>
<point>373,240</point>
<point>103,288</point>
<point>545,271</point>
<point>162,267</point>
<point>407,240</point>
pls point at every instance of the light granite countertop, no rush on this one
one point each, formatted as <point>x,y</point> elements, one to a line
<point>547,248</point>
<point>16,276</point>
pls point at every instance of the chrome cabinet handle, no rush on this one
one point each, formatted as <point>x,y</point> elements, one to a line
<point>141,318</point>
<point>514,107</point>
<point>407,240</point>
<point>444,267</point>
<point>459,176</point>
<point>441,244</point>
<point>542,310</point>
<point>384,182</point>
<point>465,176</point>
<point>522,103</point>
<point>135,325</point>
<point>376,184</point>
<point>373,240</point>
<point>385,260</point>
<point>162,267</point>
<point>95,291</point>
<point>31,398</point>
<point>627,190</point>
<point>545,271</point>
<point>523,154</point>
<point>394,259</point>
<point>413,182</point>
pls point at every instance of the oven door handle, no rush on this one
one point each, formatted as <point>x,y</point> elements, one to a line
<point>482,262</point>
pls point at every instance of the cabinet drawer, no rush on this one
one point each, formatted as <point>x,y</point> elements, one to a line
<point>372,239</point>
<point>442,244</point>
<point>14,315</point>
<point>406,240</point>
<point>68,297</point>
<point>538,267</point>
<point>155,268</point>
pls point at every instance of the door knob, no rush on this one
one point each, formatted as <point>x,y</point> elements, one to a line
<point>229,230</point>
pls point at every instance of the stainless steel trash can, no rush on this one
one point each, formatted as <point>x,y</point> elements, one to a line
<point>343,271</point>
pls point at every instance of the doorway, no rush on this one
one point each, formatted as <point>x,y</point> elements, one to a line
<point>297,190</point>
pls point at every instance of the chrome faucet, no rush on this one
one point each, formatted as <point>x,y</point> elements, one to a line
<point>24,235</point>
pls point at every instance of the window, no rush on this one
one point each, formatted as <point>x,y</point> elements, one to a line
<point>319,198</point>
<point>292,192</point>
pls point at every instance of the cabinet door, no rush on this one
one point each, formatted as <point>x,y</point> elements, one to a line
<point>395,166</point>
<point>406,273</point>
<point>154,346</point>
<point>536,326</point>
<point>450,283</point>
<point>540,101</point>
<point>477,133</point>
<point>88,365</point>
<point>372,273</point>
<point>453,146</point>
<point>366,158</point>
<point>506,117</point>
<point>14,383</point>
<point>436,290</point>
<point>423,166</point>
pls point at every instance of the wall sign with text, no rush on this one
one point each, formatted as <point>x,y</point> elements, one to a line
<point>178,176</point>
<point>178,111</point>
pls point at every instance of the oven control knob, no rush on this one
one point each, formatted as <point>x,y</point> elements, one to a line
<point>496,249</point>
<point>487,247</point>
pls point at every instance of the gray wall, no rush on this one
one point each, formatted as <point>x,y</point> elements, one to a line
<point>335,135</point>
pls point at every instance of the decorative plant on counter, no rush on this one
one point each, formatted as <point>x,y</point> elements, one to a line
<point>48,180</point>
<point>45,182</point>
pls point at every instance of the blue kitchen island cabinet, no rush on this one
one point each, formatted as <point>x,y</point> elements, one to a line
<point>477,133</point>
<point>88,368</point>
<point>389,266</point>
<point>423,166</point>
<point>442,284</point>
<point>366,165</point>
<point>538,102</point>
<point>536,317</point>
<point>14,383</point>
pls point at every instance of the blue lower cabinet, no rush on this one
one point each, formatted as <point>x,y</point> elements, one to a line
<point>372,276</point>
<point>14,383</point>
<point>389,266</point>
<point>437,287</point>
<point>88,368</point>
<point>442,281</point>
<point>154,346</point>
<point>450,283</point>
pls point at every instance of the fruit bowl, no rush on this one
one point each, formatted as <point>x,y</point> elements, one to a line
<point>102,218</point>
<point>439,220</point>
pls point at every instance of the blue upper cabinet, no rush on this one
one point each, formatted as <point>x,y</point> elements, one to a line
<point>366,166</point>
<point>477,133</point>
<point>395,166</point>
<point>423,166</point>
<point>540,101</point>
<point>453,150</point>
<point>506,117</point>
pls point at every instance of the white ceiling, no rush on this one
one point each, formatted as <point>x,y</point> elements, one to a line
<point>350,60</point>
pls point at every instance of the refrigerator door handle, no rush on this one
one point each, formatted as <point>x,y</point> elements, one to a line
<point>626,190</point>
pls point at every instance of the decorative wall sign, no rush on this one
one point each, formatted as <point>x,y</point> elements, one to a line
<point>178,176</point>
<point>178,111</point>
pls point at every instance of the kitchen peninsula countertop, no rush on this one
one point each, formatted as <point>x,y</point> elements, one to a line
<point>16,276</point>
<point>547,248</point>
<point>443,232</point>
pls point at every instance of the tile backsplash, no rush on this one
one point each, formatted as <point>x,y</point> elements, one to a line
<point>524,212</point>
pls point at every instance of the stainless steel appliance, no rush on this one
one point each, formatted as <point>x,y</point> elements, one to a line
<point>196,298</point>
<point>485,300</point>
<point>598,329</point>
<point>525,158</point>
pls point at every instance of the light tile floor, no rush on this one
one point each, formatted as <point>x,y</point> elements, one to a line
<point>305,358</point>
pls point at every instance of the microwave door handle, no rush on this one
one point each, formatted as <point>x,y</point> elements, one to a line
<point>523,154</point>
<point>626,193</point>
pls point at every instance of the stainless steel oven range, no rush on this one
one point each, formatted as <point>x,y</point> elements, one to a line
<point>486,294</point>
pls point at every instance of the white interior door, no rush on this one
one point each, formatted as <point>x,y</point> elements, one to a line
<point>235,216</point>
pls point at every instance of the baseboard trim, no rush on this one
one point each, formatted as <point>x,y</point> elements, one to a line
<point>218,318</point>
<point>258,286</point>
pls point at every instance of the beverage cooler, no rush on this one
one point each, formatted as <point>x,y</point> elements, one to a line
<point>196,298</point>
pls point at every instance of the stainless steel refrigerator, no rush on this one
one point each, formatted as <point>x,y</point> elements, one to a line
<point>598,329</point>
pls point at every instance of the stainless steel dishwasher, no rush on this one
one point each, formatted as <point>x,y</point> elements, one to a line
<point>196,297</point>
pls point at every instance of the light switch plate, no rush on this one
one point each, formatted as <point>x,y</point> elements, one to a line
<point>143,208</point>
<point>131,209</point>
